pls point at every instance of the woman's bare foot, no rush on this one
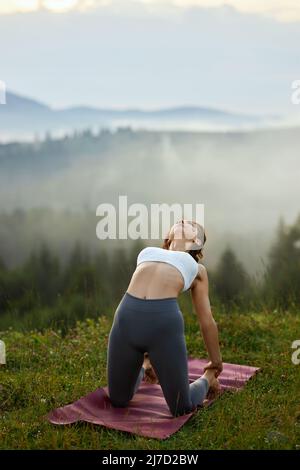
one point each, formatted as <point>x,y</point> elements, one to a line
<point>150,375</point>
<point>214,385</point>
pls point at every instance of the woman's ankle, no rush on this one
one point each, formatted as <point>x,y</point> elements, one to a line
<point>209,375</point>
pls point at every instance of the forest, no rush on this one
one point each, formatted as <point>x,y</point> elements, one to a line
<point>45,291</point>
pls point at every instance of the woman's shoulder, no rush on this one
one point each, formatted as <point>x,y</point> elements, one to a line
<point>201,278</point>
<point>147,251</point>
<point>150,248</point>
<point>202,273</point>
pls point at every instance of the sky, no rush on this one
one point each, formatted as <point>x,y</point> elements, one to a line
<point>242,56</point>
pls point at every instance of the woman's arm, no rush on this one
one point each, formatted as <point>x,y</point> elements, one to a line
<point>208,326</point>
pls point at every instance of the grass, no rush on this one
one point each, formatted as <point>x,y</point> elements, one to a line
<point>46,370</point>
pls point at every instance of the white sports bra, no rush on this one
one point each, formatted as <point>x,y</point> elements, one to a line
<point>183,261</point>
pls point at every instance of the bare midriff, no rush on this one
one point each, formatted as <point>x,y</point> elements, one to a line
<point>155,280</point>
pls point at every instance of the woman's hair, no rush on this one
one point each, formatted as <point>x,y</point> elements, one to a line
<point>195,253</point>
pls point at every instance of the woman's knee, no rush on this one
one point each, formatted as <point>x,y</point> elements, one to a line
<point>119,403</point>
<point>177,413</point>
<point>181,409</point>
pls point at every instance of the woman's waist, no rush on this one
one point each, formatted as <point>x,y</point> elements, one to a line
<point>169,302</point>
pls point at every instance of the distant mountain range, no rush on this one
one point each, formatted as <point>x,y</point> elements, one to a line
<point>24,118</point>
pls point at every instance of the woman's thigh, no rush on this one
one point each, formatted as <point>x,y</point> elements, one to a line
<point>123,367</point>
<point>169,359</point>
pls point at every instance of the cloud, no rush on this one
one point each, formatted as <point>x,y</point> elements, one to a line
<point>24,6</point>
<point>281,10</point>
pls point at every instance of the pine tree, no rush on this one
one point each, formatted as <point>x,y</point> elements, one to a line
<point>230,279</point>
<point>282,278</point>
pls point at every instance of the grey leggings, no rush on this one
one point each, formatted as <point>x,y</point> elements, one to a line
<point>155,326</point>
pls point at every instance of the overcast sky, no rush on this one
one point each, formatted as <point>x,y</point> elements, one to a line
<point>148,53</point>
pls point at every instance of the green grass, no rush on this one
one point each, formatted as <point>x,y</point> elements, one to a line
<point>46,370</point>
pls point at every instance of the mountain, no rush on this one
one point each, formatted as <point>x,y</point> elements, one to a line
<point>23,117</point>
<point>20,104</point>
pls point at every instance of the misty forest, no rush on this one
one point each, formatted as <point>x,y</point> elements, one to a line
<point>55,271</point>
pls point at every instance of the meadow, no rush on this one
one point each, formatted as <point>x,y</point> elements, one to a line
<point>46,370</point>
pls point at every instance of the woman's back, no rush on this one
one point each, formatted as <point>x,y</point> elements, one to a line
<point>162,273</point>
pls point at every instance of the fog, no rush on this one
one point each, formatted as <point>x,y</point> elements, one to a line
<point>246,181</point>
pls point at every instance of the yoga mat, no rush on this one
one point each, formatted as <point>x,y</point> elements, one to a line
<point>147,413</point>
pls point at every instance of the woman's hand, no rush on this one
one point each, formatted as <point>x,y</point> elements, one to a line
<point>218,366</point>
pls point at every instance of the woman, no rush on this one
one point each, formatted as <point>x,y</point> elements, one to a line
<point>148,320</point>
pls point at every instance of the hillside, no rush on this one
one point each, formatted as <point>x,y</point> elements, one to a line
<point>45,370</point>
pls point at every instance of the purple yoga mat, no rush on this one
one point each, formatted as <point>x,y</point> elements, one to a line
<point>147,413</point>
